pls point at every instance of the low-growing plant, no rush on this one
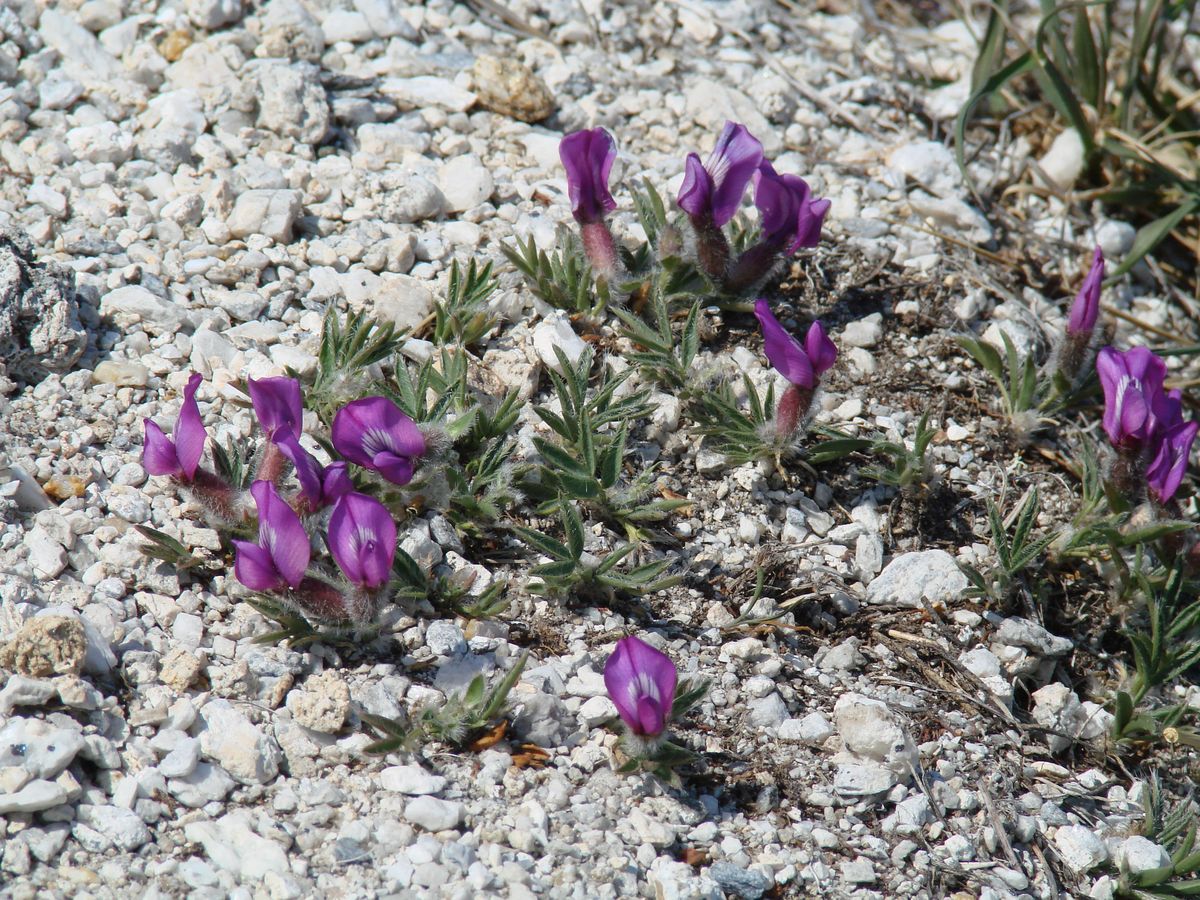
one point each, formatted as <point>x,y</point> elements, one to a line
<point>1173,826</point>
<point>463,315</point>
<point>349,353</point>
<point>643,684</point>
<point>585,465</point>
<point>1018,551</point>
<point>454,721</point>
<point>909,467</point>
<point>1029,392</point>
<point>574,572</point>
<point>1115,73</point>
<point>562,278</point>
<point>741,436</point>
<point>659,356</point>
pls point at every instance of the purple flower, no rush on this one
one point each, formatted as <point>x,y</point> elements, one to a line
<point>791,218</point>
<point>179,457</point>
<point>641,684</point>
<point>712,192</point>
<point>588,158</point>
<point>320,486</point>
<point>1135,405</point>
<point>362,539</point>
<point>1170,463</point>
<point>375,434</point>
<point>277,404</point>
<point>281,555</point>
<point>1086,308</point>
<point>801,365</point>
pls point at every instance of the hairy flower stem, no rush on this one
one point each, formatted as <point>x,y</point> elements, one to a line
<point>712,249</point>
<point>1073,357</point>
<point>752,267</point>
<point>600,248</point>
<point>213,494</point>
<point>321,600</point>
<point>641,746</point>
<point>270,467</point>
<point>1126,474</point>
<point>362,604</point>
<point>793,406</point>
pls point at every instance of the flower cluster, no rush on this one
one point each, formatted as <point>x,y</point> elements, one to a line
<point>372,433</point>
<point>1144,422</point>
<point>790,217</point>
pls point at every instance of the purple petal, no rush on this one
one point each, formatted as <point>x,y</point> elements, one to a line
<point>308,470</point>
<point>1134,401</point>
<point>641,684</point>
<point>730,167</point>
<point>365,428</point>
<point>820,349</point>
<point>783,351</point>
<point>1167,410</point>
<point>277,404</point>
<point>158,452</point>
<point>776,205</point>
<point>254,567</point>
<point>588,158</point>
<point>650,717</point>
<point>396,469</point>
<point>808,227</point>
<point>335,482</point>
<point>1165,473</point>
<point>1132,410</point>
<point>1147,368</point>
<point>189,430</point>
<point>695,194</point>
<point>1086,308</point>
<point>281,533</point>
<point>362,539</point>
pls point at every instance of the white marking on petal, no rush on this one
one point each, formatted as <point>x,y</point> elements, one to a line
<point>643,685</point>
<point>377,440</point>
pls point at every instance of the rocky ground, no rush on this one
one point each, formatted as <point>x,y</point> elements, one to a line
<point>187,187</point>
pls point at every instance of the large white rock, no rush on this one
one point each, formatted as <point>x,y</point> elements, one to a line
<point>33,797</point>
<point>104,142</point>
<point>465,182</point>
<point>239,746</point>
<point>232,845</point>
<point>1081,849</point>
<point>384,18</point>
<point>78,47</point>
<point>930,164</point>
<point>292,102</point>
<point>555,331</point>
<point>872,732</point>
<point>1138,854</point>
<point>133,303</point>
<point>270,212</point>
<point>911,578</point>
<point>213,14</point>
<point>433,814</point>
<point>427,90</point>
<point>47,556</point>
<point>1063,162</point>
<point>121,826</point>
<point>412,780</point>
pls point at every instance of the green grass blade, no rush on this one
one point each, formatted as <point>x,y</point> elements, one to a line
<point>1019,66</point>
<point>1151,235</point>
